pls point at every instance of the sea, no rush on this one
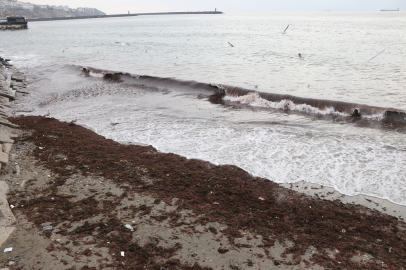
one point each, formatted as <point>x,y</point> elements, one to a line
<point>232,89</point>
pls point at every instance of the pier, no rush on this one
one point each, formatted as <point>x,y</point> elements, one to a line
<point>123,15</point>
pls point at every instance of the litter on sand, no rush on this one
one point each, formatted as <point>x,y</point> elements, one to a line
<point>8,249</point>
<point>262,199</point>
<point>215,203</point>
<point>128,226</point>
<point>47,228</point>
<point>122,253</point>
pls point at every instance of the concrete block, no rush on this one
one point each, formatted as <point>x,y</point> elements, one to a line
<point>6,147</point>
<point>18,78</point>
<point>5,101</point>
<point>4,158</point>
<point>5,137</point>
<point>5,122</point>
<point>5,233</point>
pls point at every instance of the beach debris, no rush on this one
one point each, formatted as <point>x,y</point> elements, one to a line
<point>12,206</point>
<point>262,199</point>
<point>223,250</point>
<point>343,230</point>
<point>284,32</point>
<point>390,249</point>
<point>231,44</point>
<point>128,226</point>
<point>123,43</point>
<point>47,228</point>
<point>8,249</point>
<point>215,203</point>
<point>122,253</point>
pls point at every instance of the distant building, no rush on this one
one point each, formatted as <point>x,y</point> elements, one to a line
<point>27,6</point>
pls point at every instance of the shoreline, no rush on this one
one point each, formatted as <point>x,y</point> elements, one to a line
<point>328,193</point>
<point>88,188</point>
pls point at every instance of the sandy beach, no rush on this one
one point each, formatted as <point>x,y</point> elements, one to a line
<point>81,201</point>
<point>74,192</point>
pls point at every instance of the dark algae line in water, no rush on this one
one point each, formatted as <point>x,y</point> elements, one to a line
<point>243,203</point>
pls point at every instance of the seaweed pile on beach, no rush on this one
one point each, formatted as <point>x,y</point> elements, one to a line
<point>341,236</point>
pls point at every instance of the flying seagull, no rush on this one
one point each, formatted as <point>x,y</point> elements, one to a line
<point>231,44</point>
<point>376,55</point>
<point>64,50</point>
<point>284,32</point>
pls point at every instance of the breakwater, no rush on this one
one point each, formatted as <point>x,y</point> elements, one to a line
<point>123,15</point>
<point>13,27</point>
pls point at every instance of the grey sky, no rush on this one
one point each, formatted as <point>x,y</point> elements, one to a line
<point>123,6</point>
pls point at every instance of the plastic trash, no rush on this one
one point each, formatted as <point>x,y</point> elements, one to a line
<point>261,198</point>
<point>8,249</point>
<point>128,226</point>
<point>47,228</point>
<point>215,203</point>
<point>12,206</point>
<point>122,253</point>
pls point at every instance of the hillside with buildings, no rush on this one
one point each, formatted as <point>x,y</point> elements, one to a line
<point>31,11</point>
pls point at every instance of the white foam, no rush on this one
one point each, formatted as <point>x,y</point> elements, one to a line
<point>253,99</point>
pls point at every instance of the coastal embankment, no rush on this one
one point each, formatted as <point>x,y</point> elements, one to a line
<point>82,201</point>
<point>122,15</point>
<point>7,133</point>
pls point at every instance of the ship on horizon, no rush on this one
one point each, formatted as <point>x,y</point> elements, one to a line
<point>390,9</point>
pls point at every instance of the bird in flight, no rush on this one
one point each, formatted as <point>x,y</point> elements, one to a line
<point>284,32</point>
<point>231,44</point>
<point>64,50</point>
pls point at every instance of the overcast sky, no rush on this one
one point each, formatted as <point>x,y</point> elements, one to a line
<point>123,6</point>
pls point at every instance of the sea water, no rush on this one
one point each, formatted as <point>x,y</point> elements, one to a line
<point>232,89</point>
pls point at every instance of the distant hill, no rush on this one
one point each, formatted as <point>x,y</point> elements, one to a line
<point>38,12</point>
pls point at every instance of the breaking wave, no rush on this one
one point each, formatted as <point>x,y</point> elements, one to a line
<point>256,98</point>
